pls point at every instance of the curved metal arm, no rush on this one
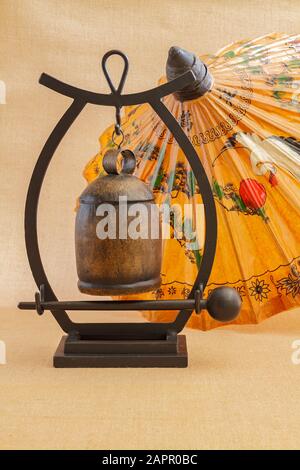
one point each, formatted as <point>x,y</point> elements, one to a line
<point>116,99</point>
<point>208,201</point>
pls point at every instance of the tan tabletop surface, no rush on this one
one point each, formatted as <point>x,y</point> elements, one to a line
<point>241,390</point>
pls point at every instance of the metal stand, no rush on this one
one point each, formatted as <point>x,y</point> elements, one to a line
<point>118,344</point>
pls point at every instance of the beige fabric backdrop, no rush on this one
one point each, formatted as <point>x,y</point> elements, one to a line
<point>241,389</point>
<point>67,39</point>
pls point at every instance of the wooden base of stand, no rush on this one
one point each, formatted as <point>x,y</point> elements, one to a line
<point>121,353</point>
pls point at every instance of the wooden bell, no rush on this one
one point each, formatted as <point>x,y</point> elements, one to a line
<point>117,260</point>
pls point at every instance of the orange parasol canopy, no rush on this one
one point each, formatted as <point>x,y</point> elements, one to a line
<point>243,119</point>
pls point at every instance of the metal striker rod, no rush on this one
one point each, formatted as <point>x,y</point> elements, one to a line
<point>184,304</point>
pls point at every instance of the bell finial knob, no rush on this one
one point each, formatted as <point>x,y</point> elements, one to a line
<point>119,161</point>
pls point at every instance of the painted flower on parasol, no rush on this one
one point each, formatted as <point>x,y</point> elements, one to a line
<point>253,194</point>
<point>259,289</point>
<point>243,117</point>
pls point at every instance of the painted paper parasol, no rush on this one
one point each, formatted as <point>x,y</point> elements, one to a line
<point>243,118</point>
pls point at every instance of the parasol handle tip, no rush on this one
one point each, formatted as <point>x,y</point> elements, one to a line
<point>180,61</point>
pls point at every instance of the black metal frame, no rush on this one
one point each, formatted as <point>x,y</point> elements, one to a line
<point>47,299</point>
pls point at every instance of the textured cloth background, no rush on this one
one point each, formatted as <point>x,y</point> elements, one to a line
<point>67,39</point>
<point>241,389</point>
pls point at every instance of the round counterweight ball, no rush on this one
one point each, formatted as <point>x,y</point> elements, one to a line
<point>223,304</point>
